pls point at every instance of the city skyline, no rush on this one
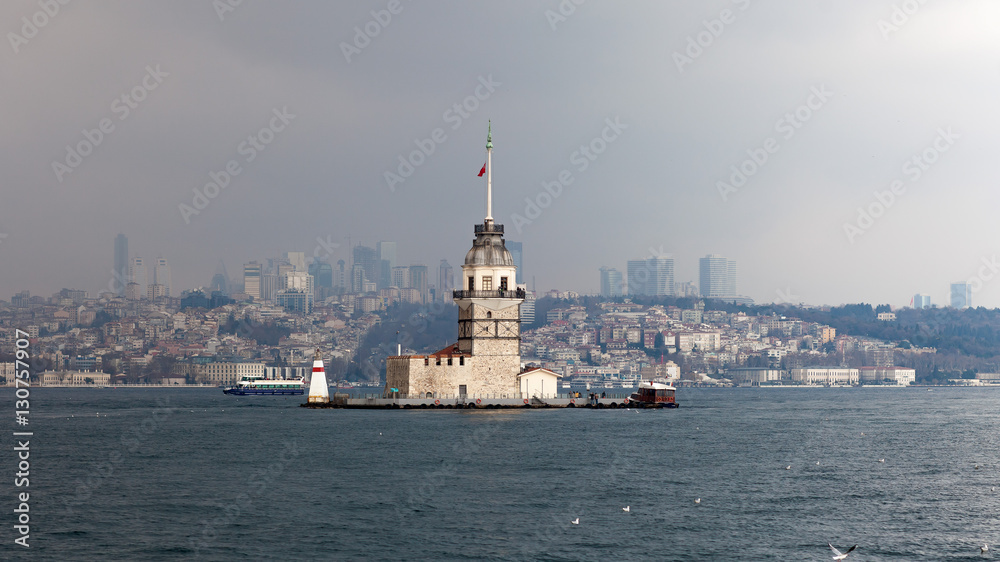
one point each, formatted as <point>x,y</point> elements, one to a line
<point>813,144</point>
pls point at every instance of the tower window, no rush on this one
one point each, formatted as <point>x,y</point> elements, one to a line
<point>489,314</point>
<point>472,283</point>
<point>487,283</point>
<point>503,283</point>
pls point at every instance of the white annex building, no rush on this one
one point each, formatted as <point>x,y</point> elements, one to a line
<point>486,359</point>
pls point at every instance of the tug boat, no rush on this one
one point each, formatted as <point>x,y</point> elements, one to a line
<point>258,385</point>
<point>654,395</point>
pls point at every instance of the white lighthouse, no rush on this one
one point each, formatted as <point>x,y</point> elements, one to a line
<point>486,359</point>
<point>319,391</point>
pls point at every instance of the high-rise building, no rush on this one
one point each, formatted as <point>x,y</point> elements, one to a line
<point>418,281</point>
<point>137,274</point>
<point>718,276</point>
<point>386,255</point>
<point>251,280</point>
<point>161,275</point>
<point>446,281</point>
<point>961,295</point>
<point>340,278</point>
<point>220,281</point>
<point>611,283</point>
<point>401,277</point>
<point>653,277</point>
<point>661,276</point>
<point>516,252</point>
<point>367,258</point>
<point>638,277</point>
<point>358,278</point>
<point>297,260</point>
<point>121,271</point>
<point>323,273</point>
<point>921,301</point>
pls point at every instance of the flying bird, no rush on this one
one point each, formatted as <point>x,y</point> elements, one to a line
<point>881,460</point>
<point>837,555</point>
<point>627,508</point>
<point>576,521</point>
<point>697,500</point>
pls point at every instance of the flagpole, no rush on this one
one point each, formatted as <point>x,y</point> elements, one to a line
<point>489,174</point>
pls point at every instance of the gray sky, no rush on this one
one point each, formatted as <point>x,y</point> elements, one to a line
<point>893,84</point>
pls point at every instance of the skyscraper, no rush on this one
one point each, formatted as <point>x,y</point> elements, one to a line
<point>661,278</point>
<point>367,258</point>
<point>921,301</point>
<point>297,260</point>
<point>401,277</point>
<point>418,280</point>
<point>653,277</point>
<point>137,274</point>
<point>386,254</point>
<point>611,282</point>
<point>515,249</point>
<point>121,271</point>
<point>251,280</point>
<point>322,272</point>
<point>961,295</point>
<point>446,280</point>
<point>161,275</point>
<point>718,276</point>
<point>220,281</point>
<point>638,277</point>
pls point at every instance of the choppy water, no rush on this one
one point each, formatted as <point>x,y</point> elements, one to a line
<point>190,473</point>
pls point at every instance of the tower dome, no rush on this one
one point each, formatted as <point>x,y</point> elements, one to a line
<point>488,247</point>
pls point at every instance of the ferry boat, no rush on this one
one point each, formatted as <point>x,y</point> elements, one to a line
<point>257,384</point>
<point>655,394</point>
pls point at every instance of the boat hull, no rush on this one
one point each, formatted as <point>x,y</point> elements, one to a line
<point>264,391</point>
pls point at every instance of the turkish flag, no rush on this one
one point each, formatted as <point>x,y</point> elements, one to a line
<point>483,171</point>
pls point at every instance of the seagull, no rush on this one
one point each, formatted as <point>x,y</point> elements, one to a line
<point>576,521</point>
<point>817,463</point>
<point>627,508</point>
<point>881,460</point>
<point>993,488</point>
<point>837,555</point>
<point>977,467</point>
<point>789,467</point>
<point>697,501</point>
<point>862,433</point>
<point>984,549</point>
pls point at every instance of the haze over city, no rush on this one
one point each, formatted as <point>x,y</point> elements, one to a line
<point>840,153</point>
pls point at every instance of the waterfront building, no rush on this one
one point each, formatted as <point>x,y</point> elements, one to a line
<point>826,375</point>
<point>901,376</point>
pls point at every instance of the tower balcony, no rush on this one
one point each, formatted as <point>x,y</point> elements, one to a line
<point>506,294</point>
<point>489,227</point>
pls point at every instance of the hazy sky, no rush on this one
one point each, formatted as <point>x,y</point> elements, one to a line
<point>839,97</point>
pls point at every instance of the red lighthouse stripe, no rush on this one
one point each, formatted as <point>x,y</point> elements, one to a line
<point>317,369</point>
